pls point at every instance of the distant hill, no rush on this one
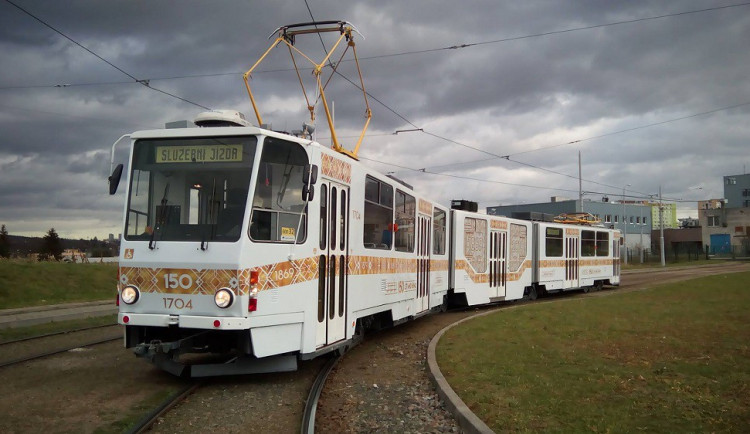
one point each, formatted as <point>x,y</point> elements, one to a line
<point>23,246</point>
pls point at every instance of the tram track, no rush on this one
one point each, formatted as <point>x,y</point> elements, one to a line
<point>308,418</point>
<point>152,418</point>
<point>56,351</point>
<point>57,333</point>
<point>148,421</point>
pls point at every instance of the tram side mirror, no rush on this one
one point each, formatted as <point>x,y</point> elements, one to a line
<point>114,179</point>
<point>308,192</point>
<point>309,178</point>
<point>310,174</point>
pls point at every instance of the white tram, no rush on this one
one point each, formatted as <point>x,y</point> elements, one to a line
<point>270,247</point>
<point>267,247</point>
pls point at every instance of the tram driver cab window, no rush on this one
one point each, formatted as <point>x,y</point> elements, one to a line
<point>279,212</point>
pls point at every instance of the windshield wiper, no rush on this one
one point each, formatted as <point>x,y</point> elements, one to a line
<point>284,182</point>
<point>211,219</point>
<point>160,219</point>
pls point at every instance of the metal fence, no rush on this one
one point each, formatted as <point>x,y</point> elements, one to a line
<point>687,252</point>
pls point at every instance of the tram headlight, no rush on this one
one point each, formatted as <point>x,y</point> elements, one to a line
<point>223,298</point>
<point>130,294</point>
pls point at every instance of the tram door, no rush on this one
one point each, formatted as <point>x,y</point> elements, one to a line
<point>424,232</point>
<point>572,256</point>
<point>616,257</point>
<point>332,263</point>
<point>498,266</point>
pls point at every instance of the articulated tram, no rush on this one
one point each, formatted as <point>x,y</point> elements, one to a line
<point>270,248</point>
<point>265,247</point>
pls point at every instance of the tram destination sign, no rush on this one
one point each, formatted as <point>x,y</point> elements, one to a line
<point>198,154</point>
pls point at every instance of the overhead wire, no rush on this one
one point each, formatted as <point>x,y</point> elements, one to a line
<point>466,177</point>
<point>404,53</point>
<point>507,157</point>
<point>135,79</point>
<point>557,32</point>
<point>146,83</point>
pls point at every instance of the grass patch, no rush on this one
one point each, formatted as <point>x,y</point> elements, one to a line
<point>24,284</point>
<point>675,358</point>
<point>11,334</point>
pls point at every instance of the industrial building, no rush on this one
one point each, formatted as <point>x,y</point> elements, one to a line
<point>725,228</point>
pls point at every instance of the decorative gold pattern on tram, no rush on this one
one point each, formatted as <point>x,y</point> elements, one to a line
<point>270,276</point>
<point>498,224</point>
<point>475,277</point>
<point>425,207</point>
<point>337,169</point>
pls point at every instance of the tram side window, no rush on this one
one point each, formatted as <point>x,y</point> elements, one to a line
<point>553,245</point>
<point>406,209</point>
<point>278,207</point>
<point>378,216</point>
<point>602,244</point>
<point>588,243</point>
<point>438,232</point>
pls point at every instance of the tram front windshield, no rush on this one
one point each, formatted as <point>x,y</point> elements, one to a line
<point>189,189</point>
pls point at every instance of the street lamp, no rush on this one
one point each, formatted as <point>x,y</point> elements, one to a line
<point>624,225</point>
<point>661,227</point>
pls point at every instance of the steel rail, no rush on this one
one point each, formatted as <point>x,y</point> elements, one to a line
<point>58,351</point>
<point>150,419</point>
<point>308,417</point>
<point>62,332</point>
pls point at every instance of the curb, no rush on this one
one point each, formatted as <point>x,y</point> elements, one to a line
<point>467,420</point>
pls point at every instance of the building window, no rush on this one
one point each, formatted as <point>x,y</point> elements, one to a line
<point>638,220</point>
<point>616,219</point>
<point>714,221</point>
<point>746,192</point>
<point>607,218</point>
<point>631,219</point>
<point>731,181</point>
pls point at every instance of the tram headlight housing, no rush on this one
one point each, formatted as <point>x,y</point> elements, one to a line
<point>130,294</point>
<point>224,298</point>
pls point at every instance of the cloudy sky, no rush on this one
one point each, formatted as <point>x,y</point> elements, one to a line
<point>647,101</point>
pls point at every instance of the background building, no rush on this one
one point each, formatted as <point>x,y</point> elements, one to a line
<point>669,215</point>
<point>737,191</point>
<point>725,223</point>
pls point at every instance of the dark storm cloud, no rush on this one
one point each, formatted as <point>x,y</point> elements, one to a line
<point>502,97</point>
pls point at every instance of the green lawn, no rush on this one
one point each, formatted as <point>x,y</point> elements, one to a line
<point>675,358</point>
<point>24,283</point>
